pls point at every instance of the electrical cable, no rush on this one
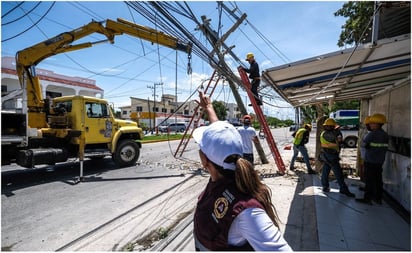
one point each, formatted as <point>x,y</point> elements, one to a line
<point>11,10</point>
<point>344,65</point>
<point>35,24</point>
<point>19,18</point>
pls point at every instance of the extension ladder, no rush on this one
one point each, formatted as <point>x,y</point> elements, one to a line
<point>186,136</point>
<point>262,121</point>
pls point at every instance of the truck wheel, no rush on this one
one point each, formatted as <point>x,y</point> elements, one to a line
<point>351,142</point>
<point>127,153</point>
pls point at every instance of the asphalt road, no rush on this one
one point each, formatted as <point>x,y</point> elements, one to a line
<point>46,209</point>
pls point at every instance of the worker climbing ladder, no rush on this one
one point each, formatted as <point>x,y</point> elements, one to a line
<point>262,121</point>
<point>186,136</point>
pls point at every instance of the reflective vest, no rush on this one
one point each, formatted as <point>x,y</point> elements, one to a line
<point>378,145</point>
<point>328,145</point>
<point>299,136</point>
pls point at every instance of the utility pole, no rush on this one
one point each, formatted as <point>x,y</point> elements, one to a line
<point>217,44</point>
<point>154,103</point>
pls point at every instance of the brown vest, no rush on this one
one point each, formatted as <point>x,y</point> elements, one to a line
<point>217,207</point>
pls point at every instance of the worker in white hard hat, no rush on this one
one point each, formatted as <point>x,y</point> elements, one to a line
<point>254,75</point>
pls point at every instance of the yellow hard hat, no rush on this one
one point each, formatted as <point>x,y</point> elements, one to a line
<point>367,120</point>
<point>249,56</point>
<point>378,118</point>
<point>329,122</point>
<point>308,126</point>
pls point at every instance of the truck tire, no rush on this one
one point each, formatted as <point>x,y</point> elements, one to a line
<point>351,142</point>
<point>126,154</point>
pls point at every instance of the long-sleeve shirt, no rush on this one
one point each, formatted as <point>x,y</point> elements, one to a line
<point>376,145</point>
<point>253,70</point>
<point>253,225</point>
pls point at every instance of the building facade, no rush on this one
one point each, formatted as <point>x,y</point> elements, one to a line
<point>150,113</point>
<point>52,84</point>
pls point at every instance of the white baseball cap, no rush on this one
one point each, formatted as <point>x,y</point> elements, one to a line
<point>218,141</point>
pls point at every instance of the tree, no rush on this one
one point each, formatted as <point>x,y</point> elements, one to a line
<point>359,14</point>
<point>220,109</point>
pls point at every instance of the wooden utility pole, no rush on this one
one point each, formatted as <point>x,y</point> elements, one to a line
<point>223,69</point>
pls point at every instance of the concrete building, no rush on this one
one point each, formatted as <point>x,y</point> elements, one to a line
<point>151,113</point>
<point>52,84</point>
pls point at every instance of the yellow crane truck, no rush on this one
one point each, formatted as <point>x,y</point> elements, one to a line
<point>51,131</point>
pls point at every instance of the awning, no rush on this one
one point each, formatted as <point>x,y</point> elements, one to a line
<point>350,74</point>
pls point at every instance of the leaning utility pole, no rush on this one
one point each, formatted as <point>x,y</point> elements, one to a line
<point>217,44</point>
<point>223,69</point>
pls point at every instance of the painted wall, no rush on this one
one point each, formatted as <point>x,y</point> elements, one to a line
<point>396,105</point>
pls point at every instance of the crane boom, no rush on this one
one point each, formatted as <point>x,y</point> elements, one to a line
<point>27,58</point>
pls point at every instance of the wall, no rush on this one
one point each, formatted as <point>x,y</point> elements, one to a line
<point>396,105</point>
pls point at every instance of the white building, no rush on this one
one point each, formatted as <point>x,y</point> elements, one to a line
<point>52,84</point>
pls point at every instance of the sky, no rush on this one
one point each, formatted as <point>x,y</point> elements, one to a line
<point>129,67</point>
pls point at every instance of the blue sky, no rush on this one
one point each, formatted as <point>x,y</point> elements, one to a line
<point>298,30</point>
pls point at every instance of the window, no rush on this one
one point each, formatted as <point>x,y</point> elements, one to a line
<point>67,105</point>
<point>53,94</point>
<point>156,109</point>
<point>172,110</point>
<point>96,110</point>
<point>164,110</point>
<point>139,109</point>
<point>124,112</point>
<point>186,112</point>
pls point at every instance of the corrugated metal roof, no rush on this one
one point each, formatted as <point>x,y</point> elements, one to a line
<point>353,73</point>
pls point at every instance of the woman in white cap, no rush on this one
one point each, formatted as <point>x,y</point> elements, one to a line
<point>235,211</point>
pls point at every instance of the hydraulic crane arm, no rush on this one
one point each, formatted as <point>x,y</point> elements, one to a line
<point>27,58</point>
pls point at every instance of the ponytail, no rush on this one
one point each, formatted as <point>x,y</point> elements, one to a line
<point>248,181</point>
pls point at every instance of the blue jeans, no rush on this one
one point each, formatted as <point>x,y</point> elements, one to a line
<point>304,152</point>
<point>332,162</point>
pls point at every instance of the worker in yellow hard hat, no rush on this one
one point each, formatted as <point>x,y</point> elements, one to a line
<point>254,75</point>
<point>301,137</point>
<point>330,142</point>
<point>375,145</point>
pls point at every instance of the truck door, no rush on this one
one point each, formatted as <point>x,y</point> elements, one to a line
<point>98,124</point>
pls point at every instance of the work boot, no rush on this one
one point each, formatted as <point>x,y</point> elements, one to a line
<point>347,193</point>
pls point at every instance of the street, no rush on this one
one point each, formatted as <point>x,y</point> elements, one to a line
<point>45,209</point>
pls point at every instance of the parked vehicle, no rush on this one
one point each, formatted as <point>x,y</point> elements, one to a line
<point>177,127</point>
<point>48,131</point>
<point>293,128</point>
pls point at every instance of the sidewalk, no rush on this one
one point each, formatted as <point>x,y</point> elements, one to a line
<point>313,220</point>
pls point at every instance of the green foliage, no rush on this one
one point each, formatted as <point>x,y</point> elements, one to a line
<point>359,14</point>
<point>220,109</point>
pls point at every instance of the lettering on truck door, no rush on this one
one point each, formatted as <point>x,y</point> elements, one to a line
<point>98,125</point>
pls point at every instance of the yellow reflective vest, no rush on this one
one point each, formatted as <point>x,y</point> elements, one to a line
<point>327,144</point>
<point>299,136</point>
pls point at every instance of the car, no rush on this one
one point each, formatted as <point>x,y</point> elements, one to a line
<point>162,128</point>
<point>293,128</point>
<point>176,127</point>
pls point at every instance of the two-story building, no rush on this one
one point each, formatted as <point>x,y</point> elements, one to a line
<point>52,84</point>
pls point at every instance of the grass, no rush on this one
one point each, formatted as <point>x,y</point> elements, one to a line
<point>161,137</point>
